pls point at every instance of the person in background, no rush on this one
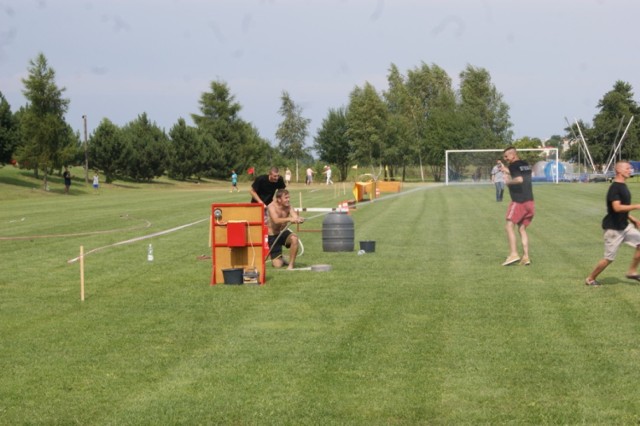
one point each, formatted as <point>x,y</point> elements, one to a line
<point>234,181</point>
<point>310,173</point>
<point>264,187</point>
<point>287,176</point>
<point>67,180</point>
<point>280,215</point>
<point>619,226</point>
<point>96,182</point>
<point>497,177</point>
<point>327,172</point>
<point>521,210</point>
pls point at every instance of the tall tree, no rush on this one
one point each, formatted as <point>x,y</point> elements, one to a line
<point>615,110</point>
<point>8,131</point>
<point>435,115</point>
<point>402,145</point>
<point>106,150</point>
<point>292,131</point>
<point>42,125</point>
<point>187,153</point>
<point>367,126</point>
<point>223,130</point>
<point>484,109</point>
<point>332,143</point>
<point>147,149</point>
<point>255,151</point>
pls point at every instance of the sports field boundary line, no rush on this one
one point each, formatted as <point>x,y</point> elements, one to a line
<point>76,234</point>
<point>137,239</point>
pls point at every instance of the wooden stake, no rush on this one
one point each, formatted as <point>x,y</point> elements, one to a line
<point>210,229</point>
<point>82,273</point>
<point>297,224</point>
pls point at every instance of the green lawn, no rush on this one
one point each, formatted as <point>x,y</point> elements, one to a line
<point>429,329</point>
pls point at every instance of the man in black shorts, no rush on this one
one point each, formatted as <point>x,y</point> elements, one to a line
<point>280,215</point>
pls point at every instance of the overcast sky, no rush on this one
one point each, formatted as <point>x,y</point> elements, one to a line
<point>550,59</point>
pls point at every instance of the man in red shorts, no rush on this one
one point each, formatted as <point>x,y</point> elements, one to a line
<point>520,213</point>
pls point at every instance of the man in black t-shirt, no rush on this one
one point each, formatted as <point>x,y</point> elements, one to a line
<point>619,227</point>
<point>521,210</point>
<point>264,187</point>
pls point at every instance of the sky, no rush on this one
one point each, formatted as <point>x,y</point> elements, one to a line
<point>550,59</point>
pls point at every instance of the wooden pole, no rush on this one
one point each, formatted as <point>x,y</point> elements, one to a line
<point>82,273</point>
<point>297,224</point>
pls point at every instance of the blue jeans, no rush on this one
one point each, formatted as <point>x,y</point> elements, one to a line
<point>499,190</point>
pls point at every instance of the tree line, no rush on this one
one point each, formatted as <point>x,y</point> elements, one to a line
<point>410,124</point>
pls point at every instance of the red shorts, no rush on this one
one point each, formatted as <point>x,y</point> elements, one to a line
<point>521,213</point>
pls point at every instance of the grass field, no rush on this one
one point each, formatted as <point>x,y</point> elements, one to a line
<point>429,329</point>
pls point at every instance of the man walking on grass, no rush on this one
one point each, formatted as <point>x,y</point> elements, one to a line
<point>497,177</point>
<point>521,210</point>
<point>619,227</point>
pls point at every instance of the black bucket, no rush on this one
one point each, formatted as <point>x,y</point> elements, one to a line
<point>337,232</point>
<point>368,246</point>
<point>233,276</point>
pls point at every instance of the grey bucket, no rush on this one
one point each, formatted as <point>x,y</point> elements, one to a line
<point>233,276</point>
<point>368,246</point>
<point>337,232</point>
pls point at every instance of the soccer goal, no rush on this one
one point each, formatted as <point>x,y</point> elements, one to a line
<point>474,165</point>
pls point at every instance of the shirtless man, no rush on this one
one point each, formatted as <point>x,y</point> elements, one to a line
<point>280,215</point>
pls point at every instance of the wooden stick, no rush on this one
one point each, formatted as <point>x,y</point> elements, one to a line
<point>298,224</point>
<point>82,273</point>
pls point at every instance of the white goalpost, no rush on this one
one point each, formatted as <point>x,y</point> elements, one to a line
<point>458,168</point>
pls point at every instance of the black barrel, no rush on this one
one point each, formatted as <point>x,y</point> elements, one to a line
<point>337,232</point>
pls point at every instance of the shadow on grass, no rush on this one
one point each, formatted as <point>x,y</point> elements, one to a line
<point>8,180</point>
<point>120,185</point>
<point>617,281</point>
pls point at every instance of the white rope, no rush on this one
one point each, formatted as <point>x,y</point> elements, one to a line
<point>134,240</point>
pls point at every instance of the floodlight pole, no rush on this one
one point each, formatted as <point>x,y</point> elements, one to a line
<point>86,154</point>
<point>586,148</point>
<point>618,147</point>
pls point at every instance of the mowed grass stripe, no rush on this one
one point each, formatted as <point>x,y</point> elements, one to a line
<point>429,329</point>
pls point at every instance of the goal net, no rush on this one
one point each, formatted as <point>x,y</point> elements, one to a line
<point>474,165</point>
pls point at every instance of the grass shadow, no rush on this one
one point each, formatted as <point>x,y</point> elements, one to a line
<point>8,180</point>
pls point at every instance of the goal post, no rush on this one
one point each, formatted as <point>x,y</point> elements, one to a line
<point>475,165</point>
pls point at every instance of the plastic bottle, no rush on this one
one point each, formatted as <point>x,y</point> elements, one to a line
<point>150,253</point>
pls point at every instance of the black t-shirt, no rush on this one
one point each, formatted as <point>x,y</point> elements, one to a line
<point>618,191</point>
<point>266,189</point>
<point>521,192</point>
